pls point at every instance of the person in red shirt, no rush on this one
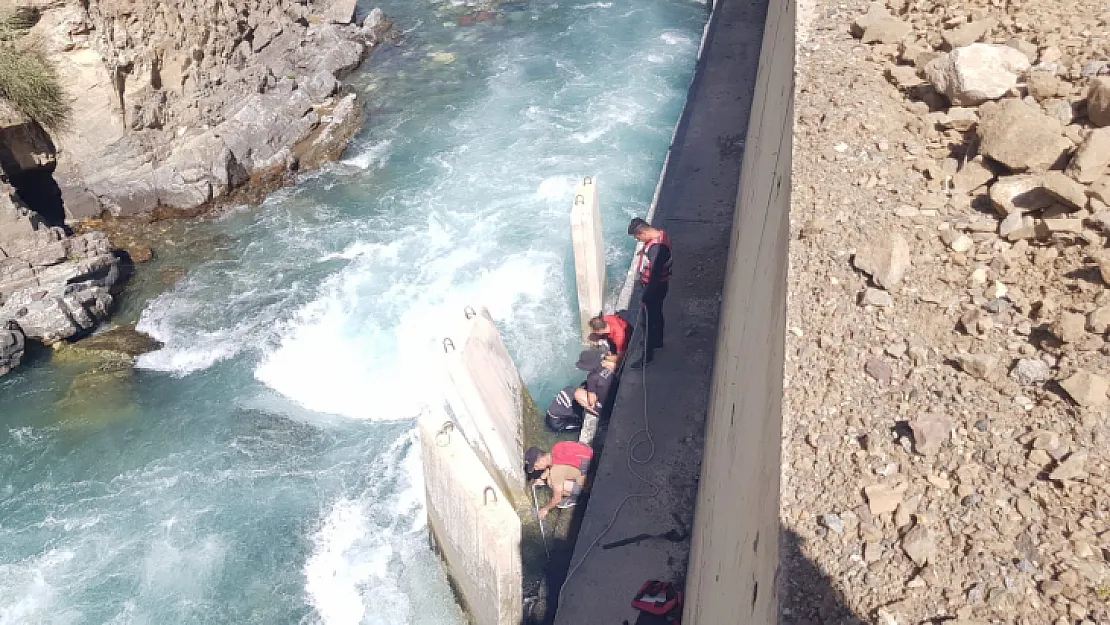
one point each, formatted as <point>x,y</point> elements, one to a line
<point>614,330</point>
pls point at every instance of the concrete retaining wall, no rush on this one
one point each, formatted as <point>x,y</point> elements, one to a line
<point>485,394</point>
<point>473,526</point>
<point>735,555</point>
<point>589,251</point>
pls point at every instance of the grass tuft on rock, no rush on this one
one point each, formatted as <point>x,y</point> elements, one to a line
<point>28,80</point>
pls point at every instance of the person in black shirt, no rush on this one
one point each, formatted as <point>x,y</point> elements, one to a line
<point>655,274</point>
<point>564,414</point>
<point>593,395</point>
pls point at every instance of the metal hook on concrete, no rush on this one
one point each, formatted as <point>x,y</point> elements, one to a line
<point>448,343</point>
<point>489,490</point>
<point>578,199</point>
<point>445,431</point>
<point>469,312</point>
<point>587,180</point>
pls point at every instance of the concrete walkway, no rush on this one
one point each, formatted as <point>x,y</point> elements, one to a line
<point>696,205</point>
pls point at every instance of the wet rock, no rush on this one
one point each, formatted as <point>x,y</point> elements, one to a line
<point>125,340</point>
<point>919,545</point>
<point>885,259</point>
<point>929,433</point>
<point>1092,157</point>
<point>1074,467</point>
<point>11,346</point>
<point>1069,327</point>
<point>884,498</point>
<point>1098,102</point>
<point>1086,389</point>
<point>979,366</point>
<point>1021,194</point>
<point>1064,189</point>
<point>976,73</point>
<point>879,26</point>
<point>1021,137</point>
<point>1030,371</point>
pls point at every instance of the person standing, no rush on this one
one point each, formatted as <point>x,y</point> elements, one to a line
<point>655,273</point>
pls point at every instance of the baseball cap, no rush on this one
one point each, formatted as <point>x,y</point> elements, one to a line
<point>530,457</point>
<point>589,360</point>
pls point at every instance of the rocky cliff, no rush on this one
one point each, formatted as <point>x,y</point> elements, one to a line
<point>178,104</point>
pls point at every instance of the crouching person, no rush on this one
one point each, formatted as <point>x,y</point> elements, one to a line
<point>563,469</point>
<point>564,414</point>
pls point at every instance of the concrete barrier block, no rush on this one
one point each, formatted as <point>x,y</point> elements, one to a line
<point>589,251</point>
<point>474,527</point>
<point>485,395</point>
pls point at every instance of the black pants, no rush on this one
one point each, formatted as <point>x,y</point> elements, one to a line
<point>652,300</point>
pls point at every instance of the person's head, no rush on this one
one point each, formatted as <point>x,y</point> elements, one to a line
<point>610,361</point>
<point>641,230</point>
<point>598,325</point>
<point>536,459</point>
<point>589,360</point>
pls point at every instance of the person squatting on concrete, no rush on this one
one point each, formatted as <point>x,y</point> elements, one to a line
<point>563,469</point>
<point>655,274</point>
<point>613,330</point>
<point>567,411</point>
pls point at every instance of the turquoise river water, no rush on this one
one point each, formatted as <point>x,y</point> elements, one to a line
<point>262,467</point>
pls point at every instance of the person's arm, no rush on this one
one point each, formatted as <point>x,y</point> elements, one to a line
<point>556,499</point>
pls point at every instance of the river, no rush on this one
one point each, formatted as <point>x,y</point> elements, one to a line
<point>262,467</point>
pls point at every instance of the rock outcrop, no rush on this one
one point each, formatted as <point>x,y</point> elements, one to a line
<point>180,104</point>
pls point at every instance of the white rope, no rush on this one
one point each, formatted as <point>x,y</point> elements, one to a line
<point>631,458</point>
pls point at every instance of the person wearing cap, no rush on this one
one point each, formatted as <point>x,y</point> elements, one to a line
<point>654,267</point>
<point>564,478</point>
<point>593,394</point>
<point>614,330</point>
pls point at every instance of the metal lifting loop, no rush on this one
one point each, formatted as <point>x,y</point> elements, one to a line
<point>488,490</point>
<point>469,312</point>
<point>448,343</point>
<point>587,180</point>
<point>578,199</point>
<point>445,432</point>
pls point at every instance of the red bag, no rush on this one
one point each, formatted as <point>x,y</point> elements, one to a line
<point>572,453</point>
<point>661,600</point>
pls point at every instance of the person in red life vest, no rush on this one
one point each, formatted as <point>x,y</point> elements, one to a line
<point>614,330</point>
<point>655,273</point>
<point>563,469</point>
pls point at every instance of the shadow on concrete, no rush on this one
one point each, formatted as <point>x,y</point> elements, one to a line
<point>807,596</point>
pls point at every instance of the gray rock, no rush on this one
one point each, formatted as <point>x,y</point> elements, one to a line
<point>1030,371</point>
<point>1087,389</point>
<point>1074,467</point>
<point>11,346</point>
<point>976,73</point>
<point>885,259</point>
<point>980,366</point>
<point>1023,193</point>
<point>876,297</point>
<point>1098,102</point>
<point>879,369</point>
<point>340,11</point>
<point>919,545</point>
<point>1064,189</point>
<point>1021,137</point>
<point>879,26</point>
<point>929,433</point>
<point>1092,158</point>
<point>833,523</point>
<point>320,85</point>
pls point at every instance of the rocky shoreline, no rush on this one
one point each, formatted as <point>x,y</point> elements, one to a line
<point>178,110</point>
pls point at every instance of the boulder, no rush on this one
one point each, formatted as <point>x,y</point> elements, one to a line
<point>11,346</point>
<point>1030,371</point>
<point>1087,389</point>
<point>1019,194</point>
<point>1064,189</point>
<point>980,366</point>
<point>1098,102</point>
<point>1021,137</point>
<point>879,26</point>
<point>1092,158</point>
<point>976,73</point>
<point>885,259</point>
